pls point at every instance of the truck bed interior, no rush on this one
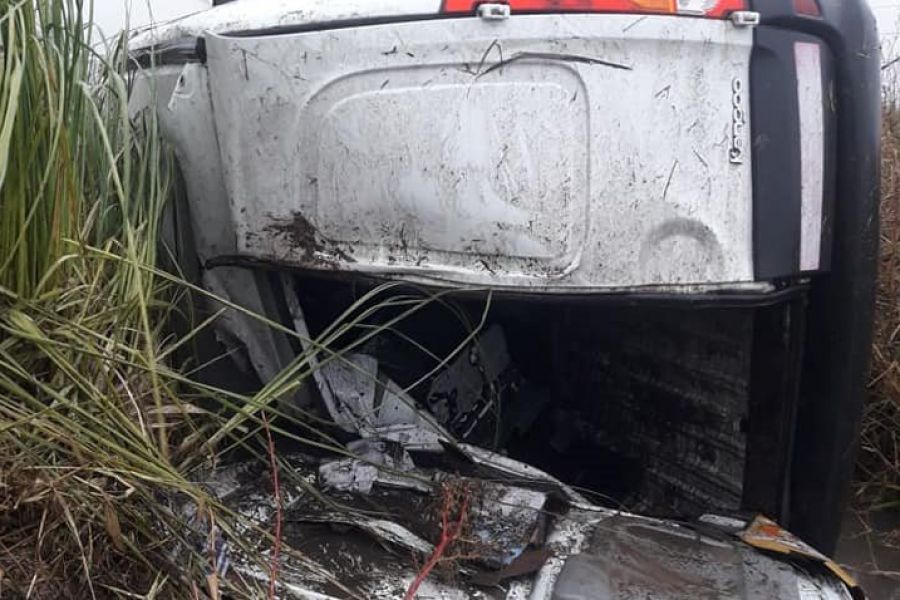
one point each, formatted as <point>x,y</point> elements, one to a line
<point>672,408</point>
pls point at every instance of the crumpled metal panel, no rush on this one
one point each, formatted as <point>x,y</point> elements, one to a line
<point>589,553</point>
<point>629,558</point>
<point>546,152</point>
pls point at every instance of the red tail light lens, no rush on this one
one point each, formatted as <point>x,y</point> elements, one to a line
<point>807,8</point>
<point>707,8</point>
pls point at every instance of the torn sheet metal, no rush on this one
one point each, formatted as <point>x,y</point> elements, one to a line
<point>380,529</point>
<point>371,545</point>
<point>765,534</point>
<point>367,522</point>
<point>503,522</point>
<point>523,473</point>
<point>349,381</point>
<point>374,461</point>
<point>398,419</point>
<point>364,540</point>
<point>358,398</point>
<point>506,521</point>
<point>180,95</point>
<point>463,394</point>
<point>630,557</point>
<point>411,436</point>
<point>360,401</point>
<point>268,350</point>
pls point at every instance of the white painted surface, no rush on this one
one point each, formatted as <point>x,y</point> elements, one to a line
<point>257,14</point>
<point>405,153</point>
<point>808,61</point>
<point>110,14</point>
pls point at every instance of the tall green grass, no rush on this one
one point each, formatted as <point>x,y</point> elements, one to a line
<point>87,428</point>
<point>97,439</point>
<point>101,434</point>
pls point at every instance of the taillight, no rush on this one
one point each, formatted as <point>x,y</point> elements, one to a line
<point>705,8</point>
<point>807,8</point>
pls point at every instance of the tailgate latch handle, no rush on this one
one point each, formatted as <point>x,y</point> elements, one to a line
<point>491,11</point>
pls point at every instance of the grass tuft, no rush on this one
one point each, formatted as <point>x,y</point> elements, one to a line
<point>879,463</point>
<point>90,420</point>
<point>103,439</point>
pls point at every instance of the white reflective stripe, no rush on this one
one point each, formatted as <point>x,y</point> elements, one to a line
<point>808,61</point>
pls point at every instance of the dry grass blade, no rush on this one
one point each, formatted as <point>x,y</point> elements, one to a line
<point>879,465</point>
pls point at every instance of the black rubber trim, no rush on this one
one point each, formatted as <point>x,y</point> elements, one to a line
<point>338,24</point>
<point>839,331</point>
<point>829,187</point>
<point>179,52</point>
<point>193,49</point>
<point>784,291</point>
<point>775,123</point>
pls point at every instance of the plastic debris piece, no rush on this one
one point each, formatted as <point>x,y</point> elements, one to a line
<point>376,461</point>
<point>411,437</point>
<point>526,563</point>
<point>351,383</point>
<point>765,534</point>
<point>573,552</point>
<point>463,394</point>
<point>504,520</point>
<point>348,475</point>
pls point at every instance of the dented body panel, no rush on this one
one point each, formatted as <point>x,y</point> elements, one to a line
<point>569,154</point>
<point>547,153</point>
<point>577,550</point>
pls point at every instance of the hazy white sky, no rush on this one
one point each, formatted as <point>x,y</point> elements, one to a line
<point>887,12</point>
<point>110,14</point>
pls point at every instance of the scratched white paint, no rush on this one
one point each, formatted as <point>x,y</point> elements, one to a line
<point>410,152</point>
<point>245,15</point>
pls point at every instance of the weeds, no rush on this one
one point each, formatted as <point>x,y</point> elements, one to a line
<point>101,435</point>
<point>91,423</point>
<point>879,464</point>
<point>455,498</point>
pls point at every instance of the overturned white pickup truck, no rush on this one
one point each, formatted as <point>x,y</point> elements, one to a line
<point>670,208</point>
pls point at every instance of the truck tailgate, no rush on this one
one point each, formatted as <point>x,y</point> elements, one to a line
<point>547,152</point>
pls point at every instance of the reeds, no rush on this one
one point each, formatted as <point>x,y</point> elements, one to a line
<point>879,464</point>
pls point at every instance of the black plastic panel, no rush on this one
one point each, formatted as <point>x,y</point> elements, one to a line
<point>775,123</point>
<point>839,328</point>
